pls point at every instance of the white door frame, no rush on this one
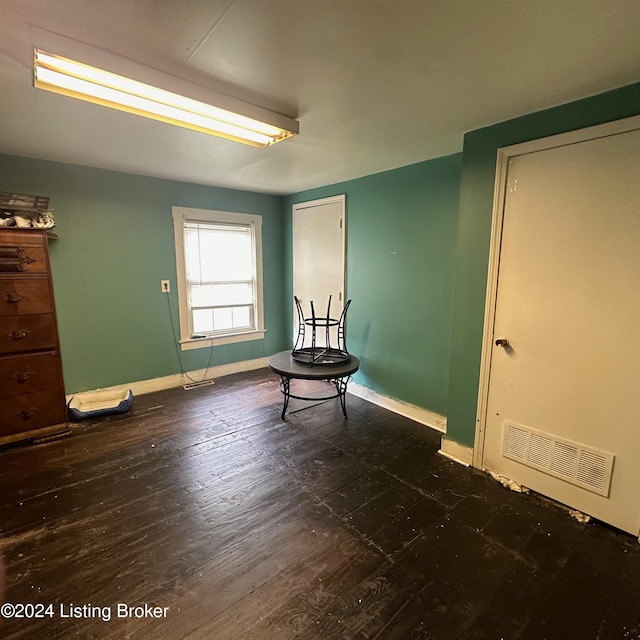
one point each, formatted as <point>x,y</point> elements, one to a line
<point>502,167</point>
<point>341,200</point>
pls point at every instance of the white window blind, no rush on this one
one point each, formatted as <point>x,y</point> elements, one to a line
<point>221,277</point>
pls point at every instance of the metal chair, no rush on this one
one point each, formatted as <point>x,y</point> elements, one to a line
<point>318,355</point>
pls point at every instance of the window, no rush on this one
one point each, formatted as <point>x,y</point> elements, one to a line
<point>219,268</point>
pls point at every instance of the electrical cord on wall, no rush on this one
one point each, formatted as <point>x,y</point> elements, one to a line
<point>175,342</point>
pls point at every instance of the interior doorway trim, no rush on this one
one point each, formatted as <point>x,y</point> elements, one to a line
<point>502,166</point>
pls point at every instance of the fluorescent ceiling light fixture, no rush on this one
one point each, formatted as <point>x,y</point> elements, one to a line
<point>77,80</point>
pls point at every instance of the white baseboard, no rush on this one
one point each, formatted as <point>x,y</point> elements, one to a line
<point>418,414</point>
<point>141,387</point>
<point>457,452</point>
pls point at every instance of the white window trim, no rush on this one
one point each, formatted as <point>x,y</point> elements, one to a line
<point>182,214</point>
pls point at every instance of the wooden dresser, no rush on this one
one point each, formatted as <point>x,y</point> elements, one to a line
<point>32,399</point>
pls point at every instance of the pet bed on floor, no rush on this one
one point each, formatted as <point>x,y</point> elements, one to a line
<point>100,403</point>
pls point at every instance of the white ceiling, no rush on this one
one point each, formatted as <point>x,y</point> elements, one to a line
<point>375,84</point>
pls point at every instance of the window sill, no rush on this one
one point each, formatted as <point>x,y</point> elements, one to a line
<point>212,341</point>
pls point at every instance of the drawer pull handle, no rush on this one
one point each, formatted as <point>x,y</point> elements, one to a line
<point>18,334</point>
<point>25,414</point>
<point>15,259</point>
<point>13,297</point>
<point>23,376</point>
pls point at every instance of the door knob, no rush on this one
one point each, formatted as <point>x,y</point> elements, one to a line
<point>502,342</point>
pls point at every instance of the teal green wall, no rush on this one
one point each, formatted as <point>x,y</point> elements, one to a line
<point>474,230</point>
<point>115,245</point>
<point>401,228</point>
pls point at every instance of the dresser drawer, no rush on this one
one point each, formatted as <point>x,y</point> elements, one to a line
<point>22,296</point>
<point>16,237</point>
<point>31,411</point>
<point>23,259</point>
<point>27,333</point>
<point>29,373</point>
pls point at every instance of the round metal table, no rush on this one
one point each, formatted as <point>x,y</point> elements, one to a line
<point>288,370</point>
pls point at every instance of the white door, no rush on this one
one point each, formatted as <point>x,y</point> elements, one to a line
<point>318,256</point>
<point>563,396</point>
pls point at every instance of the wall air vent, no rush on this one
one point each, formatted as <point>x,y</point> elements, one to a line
<point>583,466</point>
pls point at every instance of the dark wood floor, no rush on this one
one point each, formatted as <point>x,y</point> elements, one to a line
<point>245,526</point>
